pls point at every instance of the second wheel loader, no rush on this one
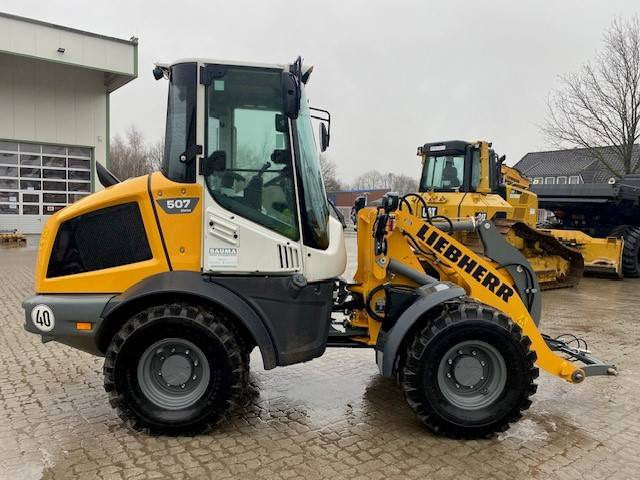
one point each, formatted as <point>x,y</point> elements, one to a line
<point>468,179</point>
<point>176,276</point>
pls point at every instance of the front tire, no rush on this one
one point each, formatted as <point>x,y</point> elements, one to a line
<point>469,372</point>
<point>175,369</point>
<point>631,249</point>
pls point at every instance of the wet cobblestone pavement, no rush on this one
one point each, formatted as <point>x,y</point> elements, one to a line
<point>333,417</point>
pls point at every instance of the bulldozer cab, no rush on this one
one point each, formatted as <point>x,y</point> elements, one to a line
<point>463,179</point>
<point>458,166</point>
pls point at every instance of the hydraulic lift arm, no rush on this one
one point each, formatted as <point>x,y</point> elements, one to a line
<point>484,281</point>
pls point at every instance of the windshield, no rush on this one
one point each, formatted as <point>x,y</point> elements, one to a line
<point>247,132</point>
<point>314,208</point>
<point>181,123</point>
<point>442,173</point>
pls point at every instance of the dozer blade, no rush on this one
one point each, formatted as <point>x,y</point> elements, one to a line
<point>550,245</point>
<point>602,256</point>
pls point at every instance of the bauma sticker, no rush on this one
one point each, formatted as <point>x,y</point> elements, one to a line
<point>223,257</point>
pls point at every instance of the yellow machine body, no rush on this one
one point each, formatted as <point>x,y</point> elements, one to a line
<point>553,254</point>
<point>372,273</point>
<point>601,255</point>
<point>183,251</point>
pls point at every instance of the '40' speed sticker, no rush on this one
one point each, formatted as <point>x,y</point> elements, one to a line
<point>42,317</point>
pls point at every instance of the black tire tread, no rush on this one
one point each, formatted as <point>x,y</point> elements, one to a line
<point>219,326</point>
<point>458,312</point>
<point>630,264</point>
<point>619,231</point>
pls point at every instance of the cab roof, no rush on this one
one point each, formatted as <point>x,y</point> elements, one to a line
<point>238,63</point>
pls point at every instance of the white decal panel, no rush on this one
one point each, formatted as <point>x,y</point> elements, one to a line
<point>222,257</point>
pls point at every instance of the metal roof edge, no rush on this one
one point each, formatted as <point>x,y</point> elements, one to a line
<point>132,41</point>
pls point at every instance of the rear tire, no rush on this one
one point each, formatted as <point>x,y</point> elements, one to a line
<point>469,372</point>
<point>175,369</point>
<point>631,250</point>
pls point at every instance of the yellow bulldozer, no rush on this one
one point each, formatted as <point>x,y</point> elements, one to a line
<point>468,179</point>
<point>176,276</point>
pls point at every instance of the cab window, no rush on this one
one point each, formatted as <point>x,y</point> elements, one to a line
<point>313,204</point>
<point>248,135</point>
<point>442,173</point>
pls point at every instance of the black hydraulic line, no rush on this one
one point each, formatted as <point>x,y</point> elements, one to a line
<point>403,200</point>
<point>529,278</point>
<point>424,204</point>
<point>367,303</point>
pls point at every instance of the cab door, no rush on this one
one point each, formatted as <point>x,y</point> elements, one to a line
<point>251,221</point>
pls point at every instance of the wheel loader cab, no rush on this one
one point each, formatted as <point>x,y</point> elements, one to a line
<point>244,133</point>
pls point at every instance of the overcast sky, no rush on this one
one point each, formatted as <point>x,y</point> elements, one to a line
<point>394,74</point>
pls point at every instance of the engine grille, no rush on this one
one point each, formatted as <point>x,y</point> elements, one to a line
<point>104,238</point>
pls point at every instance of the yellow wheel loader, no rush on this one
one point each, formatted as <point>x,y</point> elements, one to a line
<point>174,277</point>
<point>463,179</point>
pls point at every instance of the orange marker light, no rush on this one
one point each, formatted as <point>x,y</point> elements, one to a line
<point>83,326</point>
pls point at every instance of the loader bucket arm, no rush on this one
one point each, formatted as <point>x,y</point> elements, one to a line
<point>482,279</point>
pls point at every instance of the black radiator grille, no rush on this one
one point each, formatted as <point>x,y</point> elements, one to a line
<point>105,238</point>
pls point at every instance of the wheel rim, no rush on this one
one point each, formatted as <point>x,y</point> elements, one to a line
<point>173,373</point>
<point>472,374</point>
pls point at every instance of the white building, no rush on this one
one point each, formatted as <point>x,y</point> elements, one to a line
<point>55,84</point>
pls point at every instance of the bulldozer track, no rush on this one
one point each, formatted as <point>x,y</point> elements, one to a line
<point>546,243</point>
<point>552,246</point>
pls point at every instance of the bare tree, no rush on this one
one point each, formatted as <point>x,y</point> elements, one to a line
<point>600,105</point>
<point>375,180</point>
<point>131,157</point>
<point>155,154</point>
<point>329,174</point>
<point>402,184</point>
<point>371,180</point>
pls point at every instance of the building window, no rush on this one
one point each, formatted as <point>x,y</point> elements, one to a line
<point>561,180</point>
<point>549,180</point>
<point>38,179</point>
<point>537,180</point>
<point>574,179</point>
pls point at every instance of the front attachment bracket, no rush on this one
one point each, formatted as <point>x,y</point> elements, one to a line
<point>592,366</point>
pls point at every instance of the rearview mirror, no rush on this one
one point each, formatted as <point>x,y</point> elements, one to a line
<point>324,137</point>
<point>215,162</point>
<point>280,157</point>
<point>281,123</point>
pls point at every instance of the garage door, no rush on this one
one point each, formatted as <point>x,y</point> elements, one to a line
<point>37,180</point>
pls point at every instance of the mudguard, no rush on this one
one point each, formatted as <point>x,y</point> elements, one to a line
<point>194,284</point>
<point>389,342</point>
